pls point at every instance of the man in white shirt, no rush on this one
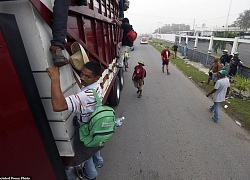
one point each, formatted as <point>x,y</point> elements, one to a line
<point>83,104</point>
<point>221,91</point>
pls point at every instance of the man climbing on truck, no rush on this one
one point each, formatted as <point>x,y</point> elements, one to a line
<point>126,44</point>
<point>83,103</point>
<point>59,30</point>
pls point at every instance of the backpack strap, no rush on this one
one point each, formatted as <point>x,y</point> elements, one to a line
<point>99,102</point>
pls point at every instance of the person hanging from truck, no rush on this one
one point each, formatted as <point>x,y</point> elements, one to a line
<point>123,6</point>
<point>126,44</point>
<point>59,30</point>
<point>83,104</point>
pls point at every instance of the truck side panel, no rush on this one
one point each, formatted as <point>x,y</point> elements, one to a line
<point>90,26</point>
<point>26,141</point>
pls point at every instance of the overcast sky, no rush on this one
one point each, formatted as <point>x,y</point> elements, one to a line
<point>148,15</point>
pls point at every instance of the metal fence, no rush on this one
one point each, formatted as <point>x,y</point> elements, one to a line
<point>207,59</point>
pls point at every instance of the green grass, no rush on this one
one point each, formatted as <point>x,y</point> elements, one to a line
<point>237,108</point>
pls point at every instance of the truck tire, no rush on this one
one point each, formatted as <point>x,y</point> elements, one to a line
<point>121,78</point>
<point>114,96</point>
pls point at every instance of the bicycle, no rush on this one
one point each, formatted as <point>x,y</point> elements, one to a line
<point>125,60</point>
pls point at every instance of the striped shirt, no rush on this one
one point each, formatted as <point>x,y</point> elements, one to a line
<point>84,103</point>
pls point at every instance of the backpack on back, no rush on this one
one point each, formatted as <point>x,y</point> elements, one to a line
<point>100,127</point>
<point>131,35</point>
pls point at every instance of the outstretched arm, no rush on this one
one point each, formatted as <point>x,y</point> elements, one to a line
<point>57,97</point>
<point>116,21</point>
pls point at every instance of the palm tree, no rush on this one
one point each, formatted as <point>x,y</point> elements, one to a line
<point>243,21</point>
<point>222,44</point>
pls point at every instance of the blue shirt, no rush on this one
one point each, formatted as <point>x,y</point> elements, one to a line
<point>185,48</point>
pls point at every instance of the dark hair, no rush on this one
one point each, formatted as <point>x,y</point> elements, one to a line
<point>125,20</point>
<point>94,66</point>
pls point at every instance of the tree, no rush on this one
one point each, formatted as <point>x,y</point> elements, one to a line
<point>222,44</point>
<point>243,21</point>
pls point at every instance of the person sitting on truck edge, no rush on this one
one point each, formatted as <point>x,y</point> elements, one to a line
<point>138,77</point>
<point>59,30</point>
<point>83,104</point>
<point>126,44</point>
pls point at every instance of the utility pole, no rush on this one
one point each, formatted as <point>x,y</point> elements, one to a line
<point>193,24</point>
<point>228,13</point>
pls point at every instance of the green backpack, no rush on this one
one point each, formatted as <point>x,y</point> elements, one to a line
<point>100,127</point>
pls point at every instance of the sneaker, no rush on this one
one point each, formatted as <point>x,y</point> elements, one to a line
<point>216,121</point>
<point>210,109</point>
<point>88,178</point>
<point>139,96</point>
<point>99,166</point>
<point>119,66</point>
<point>168,73</point>
<point>57,56</point>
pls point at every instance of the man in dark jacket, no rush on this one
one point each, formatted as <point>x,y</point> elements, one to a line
<point>225,60</point>
<point>235,64</point>
<point>125,44</point>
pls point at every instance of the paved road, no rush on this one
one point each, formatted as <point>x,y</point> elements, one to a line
<point>168,133</point>
<point>243,50</point>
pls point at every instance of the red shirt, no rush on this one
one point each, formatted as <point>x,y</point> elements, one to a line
<point>165,55</point>
<point>139,71</point>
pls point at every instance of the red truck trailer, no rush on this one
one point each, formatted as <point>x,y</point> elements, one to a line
<point>35,142</point>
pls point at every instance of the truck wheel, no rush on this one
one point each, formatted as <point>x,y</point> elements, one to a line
<point>114,96</point>
<point>121,78</point>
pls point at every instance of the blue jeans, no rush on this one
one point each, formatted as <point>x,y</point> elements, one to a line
<point>121,9</point>
<point>185,54</point>
<point>215,108</point>
<point>90,165</point>
<point>60,19</point>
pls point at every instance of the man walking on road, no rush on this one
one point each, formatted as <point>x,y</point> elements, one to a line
<point>165,54</point>
<point>138,77</point>
<point>214,69</point>
<point>175,47</point>
<point>221,91</point>
<point>185,50</point>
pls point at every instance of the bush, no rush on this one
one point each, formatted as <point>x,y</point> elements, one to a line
<point>241,84</point>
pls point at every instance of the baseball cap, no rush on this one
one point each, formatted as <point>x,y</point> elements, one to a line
<point>236,53</point>
<point>223,72</point>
